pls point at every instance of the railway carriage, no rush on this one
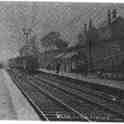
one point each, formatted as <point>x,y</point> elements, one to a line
<point>27,63</point>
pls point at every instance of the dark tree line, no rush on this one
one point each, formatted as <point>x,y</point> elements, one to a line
<point>53,40</point>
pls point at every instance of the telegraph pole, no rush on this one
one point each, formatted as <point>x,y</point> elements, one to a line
<point>90,38</point>
<point>90,55</point>
<point>27,33</point>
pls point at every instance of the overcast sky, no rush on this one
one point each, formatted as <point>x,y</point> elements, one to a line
<point>67,18</point>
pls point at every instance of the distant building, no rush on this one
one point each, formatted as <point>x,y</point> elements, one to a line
<point>109,40</point>
<point>69,58</point>
<point>107,47</point>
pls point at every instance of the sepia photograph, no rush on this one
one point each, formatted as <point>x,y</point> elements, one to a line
<point>62,61</point>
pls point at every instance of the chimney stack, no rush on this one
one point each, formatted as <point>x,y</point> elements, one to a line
<point>85,28</point>
<point>90,24</point>
<point>114,14</point>
<point>109,16</point>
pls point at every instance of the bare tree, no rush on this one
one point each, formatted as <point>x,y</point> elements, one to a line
<point>21,19</point>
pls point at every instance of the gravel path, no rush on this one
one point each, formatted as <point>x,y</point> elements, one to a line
<point>7,111</point>
<point>13,105</point>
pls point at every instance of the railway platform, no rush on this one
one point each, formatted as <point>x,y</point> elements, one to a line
<point>13,105</point>
<point>90,79</point>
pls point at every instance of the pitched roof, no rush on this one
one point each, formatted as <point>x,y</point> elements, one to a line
<point>117,28</point>
<point>113,31</point>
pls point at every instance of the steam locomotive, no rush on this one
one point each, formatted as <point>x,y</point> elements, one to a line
<point>26,63</point>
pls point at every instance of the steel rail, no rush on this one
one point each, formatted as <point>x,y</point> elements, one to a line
<point>107,105</point>
<point>36,107</point>
<point>59,101</point>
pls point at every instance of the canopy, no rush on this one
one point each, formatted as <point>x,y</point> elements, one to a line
<point>59,55</point>
<point>70,55</point>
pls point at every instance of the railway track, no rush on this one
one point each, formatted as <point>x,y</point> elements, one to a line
<point>108,92</point>
<point>88,106</point>
<point>74,85</point>
<point>55,108</point>
<point>96,97</point>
